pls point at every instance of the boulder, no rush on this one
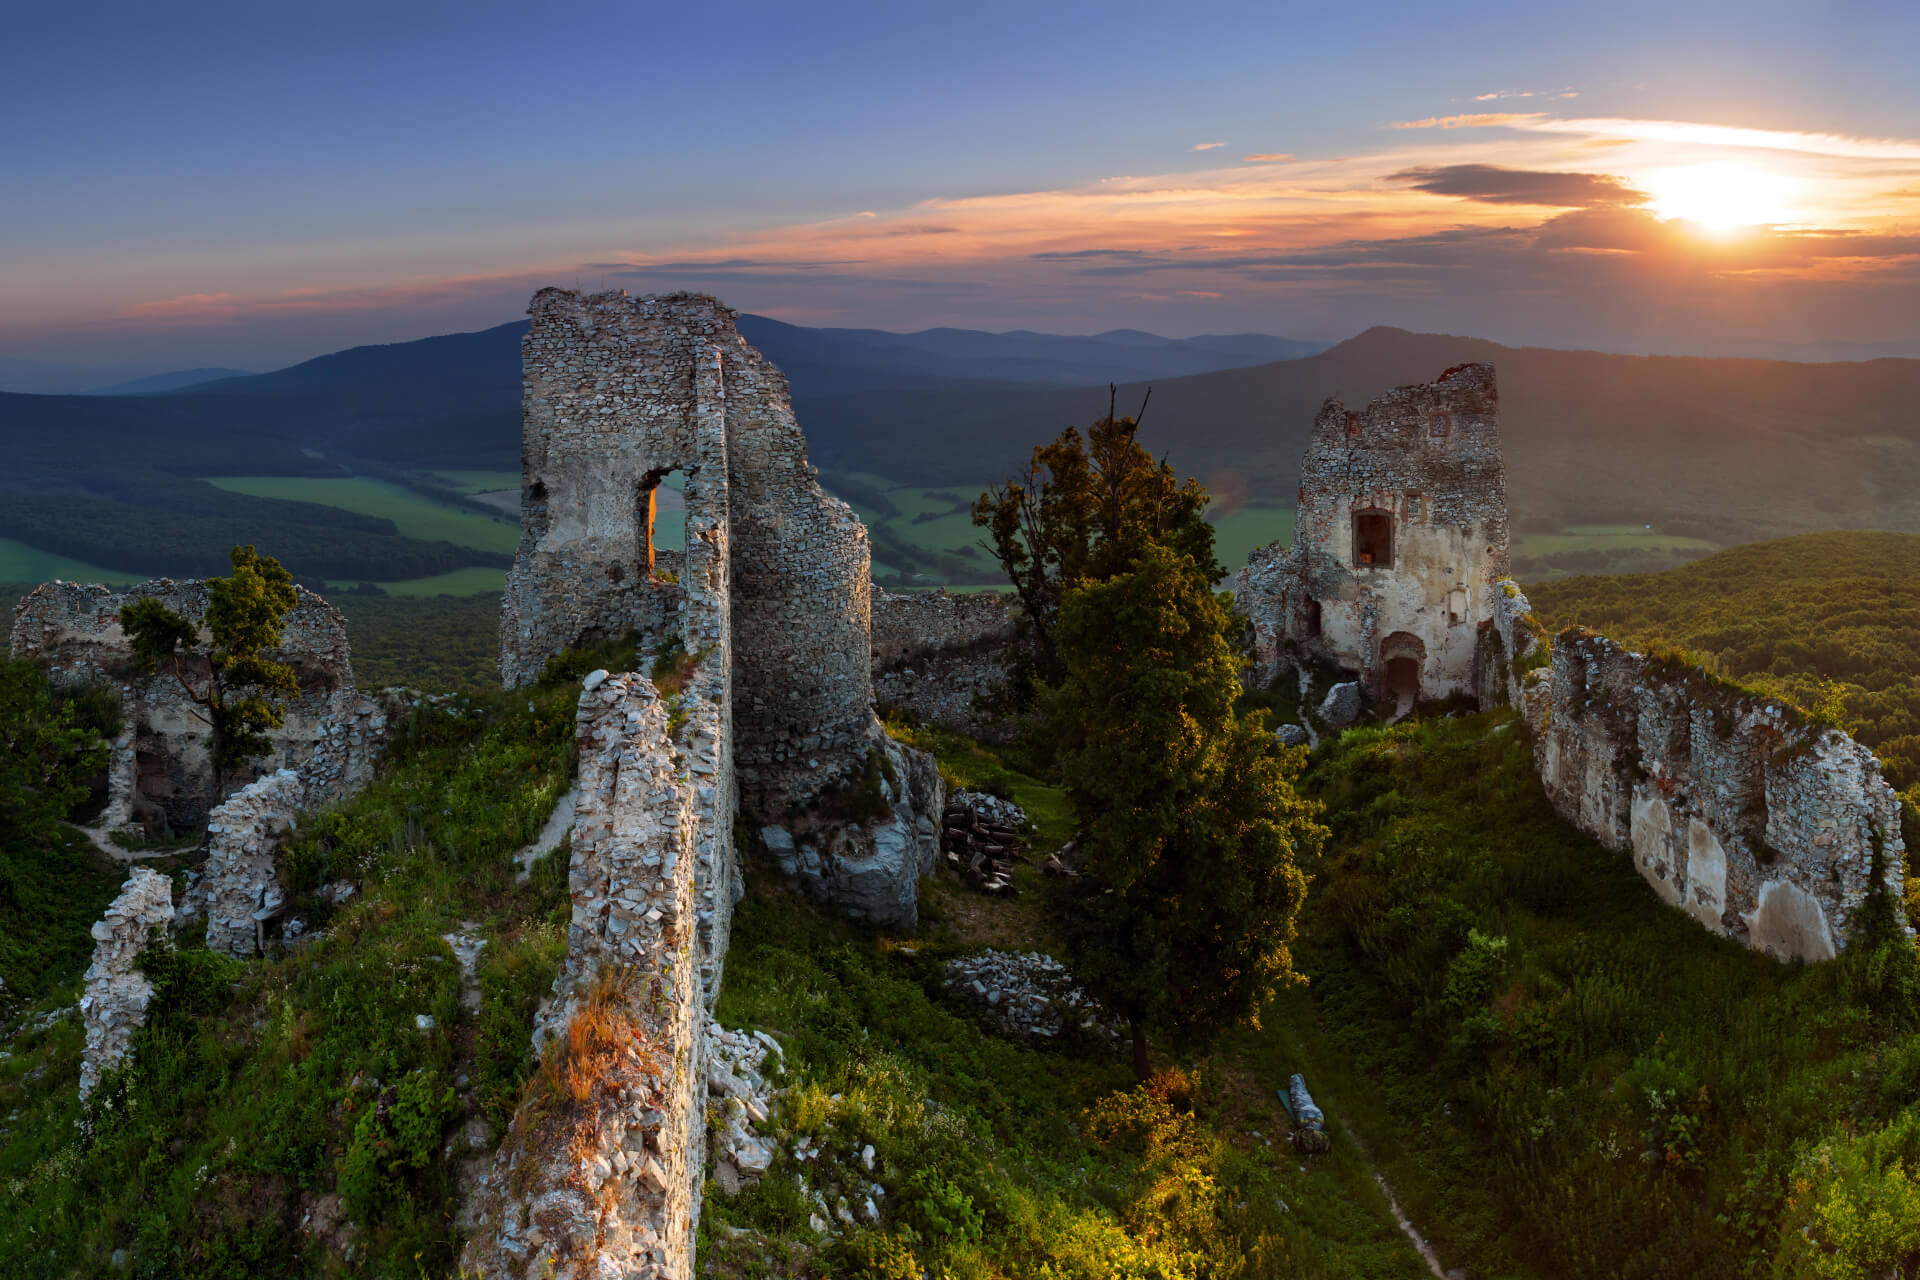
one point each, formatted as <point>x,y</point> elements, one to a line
<point>1342,705</point>
<point>1291,735</point>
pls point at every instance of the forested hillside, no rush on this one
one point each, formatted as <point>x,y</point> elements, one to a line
<point>1827,620</point>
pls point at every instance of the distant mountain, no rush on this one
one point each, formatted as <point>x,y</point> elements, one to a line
<point>1726,449</point>
<point>168,381</point>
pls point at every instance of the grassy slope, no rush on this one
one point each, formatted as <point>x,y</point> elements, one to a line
<point>1004,1161</point>
<point>1561,1076</point>
<point>261,1088</point>
<point>412,514</point>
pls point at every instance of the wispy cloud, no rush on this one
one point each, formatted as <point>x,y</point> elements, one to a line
<point>1482,120</point>
<point>1268,157</point>
<point>1205,146</point>
<point>1685,133</point>
<point>1499,95</point>
<point>1493,184</point>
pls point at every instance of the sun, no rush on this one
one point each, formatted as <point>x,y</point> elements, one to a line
<point>1722,196</point>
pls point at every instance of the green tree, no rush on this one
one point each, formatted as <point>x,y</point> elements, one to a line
<point>1192,834</point>
<point>45,755</point>
<point>234,686</point>
<point>1084,512</point>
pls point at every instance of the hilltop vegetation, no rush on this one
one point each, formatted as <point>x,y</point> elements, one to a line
<point>1828,620</point>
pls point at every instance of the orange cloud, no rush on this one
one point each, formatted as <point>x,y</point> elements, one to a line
<point>1268,157</point>
<point>1205,146</point>
<point>1485,120</point>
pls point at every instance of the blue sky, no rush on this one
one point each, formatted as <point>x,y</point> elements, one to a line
<point>253,184</point>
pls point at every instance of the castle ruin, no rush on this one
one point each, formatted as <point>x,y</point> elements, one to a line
<point>1401,527</point>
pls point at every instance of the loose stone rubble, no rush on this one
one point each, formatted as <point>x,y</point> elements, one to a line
<point>117,994</point>
<point>990,807</point>
<point>1029,994</point>
<point>738,1064</point>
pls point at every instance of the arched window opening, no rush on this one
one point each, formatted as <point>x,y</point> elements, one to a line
<point>1312,619</point>
<point>1373,539</point>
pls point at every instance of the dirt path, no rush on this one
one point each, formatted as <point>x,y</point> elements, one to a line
<point>549,836</point>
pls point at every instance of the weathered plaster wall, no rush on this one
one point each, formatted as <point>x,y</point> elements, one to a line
<point>74,631</point>
<point>1763,828</point>
<point>1427,459</point>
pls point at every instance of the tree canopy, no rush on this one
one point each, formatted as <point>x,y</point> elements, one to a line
<point>1084,512</point>
<point>235,686</point>
<point>1192,834</point>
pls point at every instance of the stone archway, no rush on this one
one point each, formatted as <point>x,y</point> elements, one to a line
<point>1403,656</point>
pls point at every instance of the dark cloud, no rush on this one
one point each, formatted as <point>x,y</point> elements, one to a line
<point>721,264</point>
<point>1491,184</point>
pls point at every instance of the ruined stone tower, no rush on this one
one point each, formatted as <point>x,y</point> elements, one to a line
<point>620,393</point>
<point>1401,527</point>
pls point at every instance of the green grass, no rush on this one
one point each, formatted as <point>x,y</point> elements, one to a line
<point>260,1087</point>
<point>1239,535</point>
<point>413,515</point>
<point>22,563</point>
<point>1560,1075</point>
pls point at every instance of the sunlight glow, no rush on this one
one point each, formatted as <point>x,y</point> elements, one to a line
<point>1723,197</point>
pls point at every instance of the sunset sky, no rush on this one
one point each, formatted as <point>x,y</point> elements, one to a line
<point>254,184</point>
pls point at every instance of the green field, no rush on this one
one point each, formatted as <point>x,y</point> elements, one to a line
<point>1239,535</point>
<point>22,563</point>
<point>412,514</point>
<point>1606,537</point>
<point>479,481</point>
<point>471,581</point>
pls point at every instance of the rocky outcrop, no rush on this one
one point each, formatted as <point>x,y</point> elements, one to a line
<point>872,871</point>
<point>117,994</point>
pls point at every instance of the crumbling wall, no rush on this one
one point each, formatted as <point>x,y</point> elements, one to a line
<point>609,1183</point>
<point>939,657</point>
<point>1765,828</point>
<point>74,631</point>
<point>238,888</point>
<point>1422,466</point>
<point>114,1005</point>
<point>618,391</point>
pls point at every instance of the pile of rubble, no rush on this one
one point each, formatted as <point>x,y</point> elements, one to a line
<point>738,1086</point>
<point>1029,994</point>
<point>980,839</point>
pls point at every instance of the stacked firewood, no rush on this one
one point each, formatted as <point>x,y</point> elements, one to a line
<point>981,849</point>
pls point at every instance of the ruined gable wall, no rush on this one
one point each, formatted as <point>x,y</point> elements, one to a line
<point>1762,828</point>
<point>74,631</point>
<point>802,578</point>
<point>1429,456</point>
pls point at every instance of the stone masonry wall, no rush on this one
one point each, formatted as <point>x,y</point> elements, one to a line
<point>618,393</point>
<point>1426,460</point>
<point>1763,828</point>
<point>238,887</point>
<point>74,631</point>
<point>609,1186</point>
<point>937,655</point>
<point>114,1005</point>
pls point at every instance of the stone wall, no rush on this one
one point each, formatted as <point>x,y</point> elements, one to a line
<point>1420,469</point>
<point>1759,825</point>
<point>619,393</point>
<point>114,1005</point>
<point>74,631</point>
<point>937,656</point>
<point>238,888</point>
<point>609,1185</point>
